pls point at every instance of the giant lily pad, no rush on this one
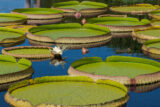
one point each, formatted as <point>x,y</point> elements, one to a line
<point>86,8</point>
<point>155,23</point>
<point>11,35</point>
<point>135,9</point>
<point>143,35</point>
<point>10,19</point>
<point>144,88</point>
<point>30,52</point>
<point>40,15</point>
<point>24,28</point>
<point>120,26</point>
<point>68,46</point>
<point>126,70</point>
<point>155,14</point>
<point>152,48</point>
<point>69,33</point>
<point>11,70</point>
<point>66,91</point>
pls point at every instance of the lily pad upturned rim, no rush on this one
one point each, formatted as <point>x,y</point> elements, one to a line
<point>116,18</point>
<point>154,15</point>
<point>17,75</point>
<point>134,12</point>
<point>16,102</point>
<point>154,21</point>
<point>121,30</point>
<point>22,61</point>
<point>21,27</point>
<point>69,46</point>
<point>41,17</point>
<point>12,40</point>
<point>153,52</point>
<point>89,39</point>
<point>29,56</point>
<point>102,5</point>
<point>144,88</point>
<point>137,80</point>
<point>85,12</point>
<point>20,10</point>
<point>22,19</point>
<point>142,37</point>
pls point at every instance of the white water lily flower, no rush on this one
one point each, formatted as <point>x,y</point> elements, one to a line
<point>58,50</point>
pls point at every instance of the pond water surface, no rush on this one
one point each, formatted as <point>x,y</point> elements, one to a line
<point>44,68</point>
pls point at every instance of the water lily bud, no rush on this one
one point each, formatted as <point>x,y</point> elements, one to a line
<point>78,15</point>
<point>84,51</point>
<point>83,21</point>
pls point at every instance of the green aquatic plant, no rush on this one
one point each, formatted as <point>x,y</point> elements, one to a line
<point>79,6</point>
<point>30,52</point>
<point>36,16</point>
<point>8,35</point>
<point>156,12</point>
<point>150,32</point>
<point>135,9</point>
<point>132,59</point>
<point>137,67</point>
<point>69,33</point>
<point>155,43</point>
<point>8,17</point>
<point>10,65</point>
<point>151,48</point>
<point>37,11</point>
<point>118,21</point>
<point>127,70</point>
<point>155,22</point>
<point>105,91</point>
<point>151,41</point>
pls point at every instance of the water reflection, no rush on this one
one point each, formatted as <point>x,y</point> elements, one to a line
<point>56,61</point>
<point>144,88</point>
<point>12,44</point>
<point>69,45</point>
<point>125,45</point>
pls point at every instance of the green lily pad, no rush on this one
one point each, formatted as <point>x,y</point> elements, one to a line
<point>155,32</point>
<point>37,11</point>
<point>68,91</point>
<point>9,65</point>
<point>156,22</point>
<point>8,35</point>
<point>117,66</point>
<point>135,8</point>
<point>9,19</point>
<point>118,21</point>
<point>76,5</point>
<point>155,43</point>
<point>151,48</point>
<point>69,30</point>
<point>30,52</point>
<point>156,12</point>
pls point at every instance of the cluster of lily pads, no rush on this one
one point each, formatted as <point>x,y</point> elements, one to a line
<point>97,82</point>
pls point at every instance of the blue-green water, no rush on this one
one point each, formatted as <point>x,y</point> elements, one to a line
<point>43,68</point>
